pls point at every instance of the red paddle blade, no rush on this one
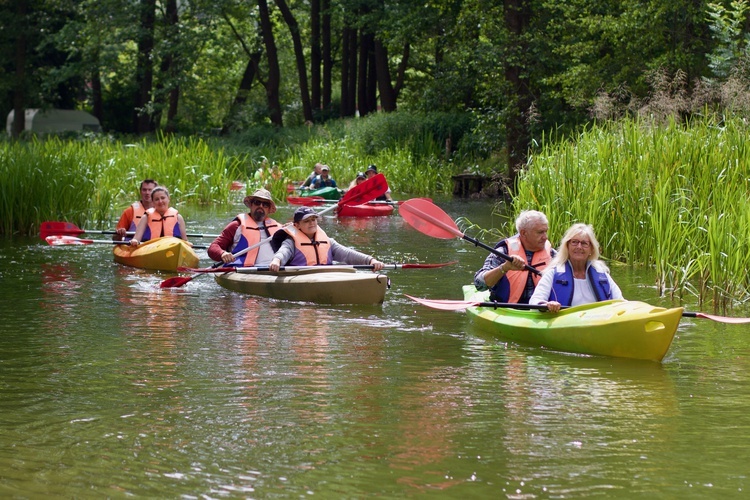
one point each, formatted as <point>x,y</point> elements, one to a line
<point>445,305</point>
<point>51,228</point>
<point>366,191</point>
<point>66,240</point>
<point>307,201</point>
<point>428,218</point>
<point>722,319</point>
<point>176,281</point>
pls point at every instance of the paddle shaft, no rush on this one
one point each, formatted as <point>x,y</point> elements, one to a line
<point>76,241</point>
<point>295,268</point>
<point>453,230</point>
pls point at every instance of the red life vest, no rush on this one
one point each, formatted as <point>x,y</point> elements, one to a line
<point>250,236</point>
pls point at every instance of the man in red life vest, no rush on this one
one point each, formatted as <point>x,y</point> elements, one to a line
<point>132,215</point>
<point>508,281</point>
<point>246,230</point>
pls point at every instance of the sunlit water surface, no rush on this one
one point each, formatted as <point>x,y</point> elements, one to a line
<point>113,387</point>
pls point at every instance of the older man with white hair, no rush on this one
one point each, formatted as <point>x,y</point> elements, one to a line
<point>509,280</point>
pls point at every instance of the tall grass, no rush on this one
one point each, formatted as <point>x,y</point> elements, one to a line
<point>673,197</point>
<point>91,182</point>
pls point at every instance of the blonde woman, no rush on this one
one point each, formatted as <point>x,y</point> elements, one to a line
<point>576,275</point>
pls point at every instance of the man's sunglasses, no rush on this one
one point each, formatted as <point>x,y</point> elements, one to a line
<point>264,204</point>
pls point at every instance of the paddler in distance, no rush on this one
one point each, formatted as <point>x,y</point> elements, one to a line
<point>160,220</point>
<point>306,244</point>
<point>246,230</point>
<point>509,281</point>
<point>131,216</point>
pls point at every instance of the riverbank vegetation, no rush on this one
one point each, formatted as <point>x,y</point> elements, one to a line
<point>673,197</point>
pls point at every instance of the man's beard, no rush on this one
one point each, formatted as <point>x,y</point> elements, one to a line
<point>259,215</point>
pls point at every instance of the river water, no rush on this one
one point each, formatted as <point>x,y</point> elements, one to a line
<point>112,387</point>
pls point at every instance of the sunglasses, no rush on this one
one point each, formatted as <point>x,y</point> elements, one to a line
<point>264,204</point>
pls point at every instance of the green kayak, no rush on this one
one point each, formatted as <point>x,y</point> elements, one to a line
<point>619,328</point>
<point>329,193</point>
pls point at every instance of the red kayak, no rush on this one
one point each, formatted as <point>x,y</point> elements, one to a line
<point>366,210</point>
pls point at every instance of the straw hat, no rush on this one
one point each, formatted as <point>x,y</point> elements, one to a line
<point>263,195</point>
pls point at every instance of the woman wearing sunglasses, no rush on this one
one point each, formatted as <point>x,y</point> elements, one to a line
<point>575,275</point>
<point>246,230</point>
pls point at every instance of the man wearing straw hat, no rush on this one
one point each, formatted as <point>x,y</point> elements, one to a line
<point>246,230</point>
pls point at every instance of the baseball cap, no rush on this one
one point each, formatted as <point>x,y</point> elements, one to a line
<point>303,213</point>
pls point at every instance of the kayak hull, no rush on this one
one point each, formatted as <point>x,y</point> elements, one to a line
<point>329,193</point>
<point>161,254</point>
<point>618,328</point>
<point>365,210</point>
<point>325,286</point>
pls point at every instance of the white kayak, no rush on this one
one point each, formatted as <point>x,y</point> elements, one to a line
<point>321,285</point>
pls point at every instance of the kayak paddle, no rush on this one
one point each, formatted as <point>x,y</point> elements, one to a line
<point>368,190</point>
<point>428,218</point>
<point>57,241</point>
<point>260,269</point>
<point>458,305</point>
<point>52,228</point>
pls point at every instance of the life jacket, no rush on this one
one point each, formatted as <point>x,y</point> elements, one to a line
<point>511,286</point>
<point>310,252</point>
<point>250,235</point>
<point>159,225</point>
<point>563,285</point>
<point>138,212</point>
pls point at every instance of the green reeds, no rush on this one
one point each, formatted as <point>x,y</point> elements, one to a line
<point>674,198</point>
<point>91,182</point>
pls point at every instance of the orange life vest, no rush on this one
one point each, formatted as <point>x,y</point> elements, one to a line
<point>159,225</point>
<point>310,252</point>
<point>250,236</point>
<point>138,212</point>
<point>517,279</point>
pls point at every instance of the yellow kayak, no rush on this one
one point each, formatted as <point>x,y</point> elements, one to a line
<point>619,328</point>
<point>161,254</point>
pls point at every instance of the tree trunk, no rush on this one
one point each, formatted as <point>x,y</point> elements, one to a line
<point>364,104</point>
<point>274,73</point>
<point>387,92</point>
<point>299,56</point>
<point>517,18</point>
<point>144,76</point>
<point>315,55</point>
<point>327,59</point>
<point>242,92</point>
<point>349,72</point>
<point>19,96</point>
<point>172,72</point>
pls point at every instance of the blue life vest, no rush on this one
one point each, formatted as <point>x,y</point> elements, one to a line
<point>563,285</point>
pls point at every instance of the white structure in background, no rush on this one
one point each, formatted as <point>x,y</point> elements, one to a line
<point>51,121</point>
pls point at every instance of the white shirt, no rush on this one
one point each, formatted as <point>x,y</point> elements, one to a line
<point>582,291</point>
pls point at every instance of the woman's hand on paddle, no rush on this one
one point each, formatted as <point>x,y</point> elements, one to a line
<point>274,265</point>
<point>376,265</point>
<point>553,306</point>
<point>134,242</point>
<point>227,257</point>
